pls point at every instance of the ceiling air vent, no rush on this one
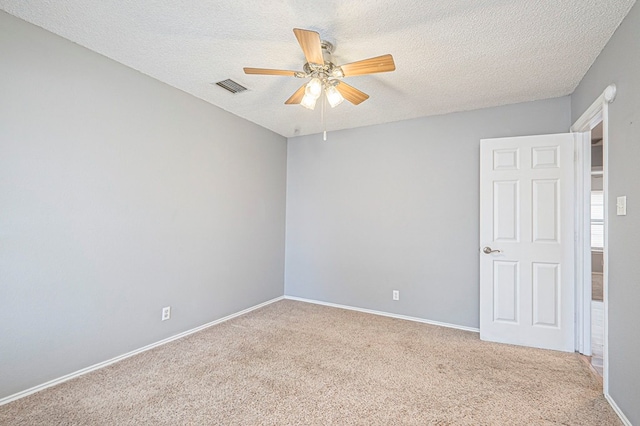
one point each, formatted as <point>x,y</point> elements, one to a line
<point>231,86</point>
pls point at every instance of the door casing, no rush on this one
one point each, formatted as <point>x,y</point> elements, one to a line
<point>596,113</point>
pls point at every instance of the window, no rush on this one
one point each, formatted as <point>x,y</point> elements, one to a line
<point>597,220</point>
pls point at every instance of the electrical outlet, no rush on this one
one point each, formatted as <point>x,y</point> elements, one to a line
<point>396,295</point>
<point>166,313</point>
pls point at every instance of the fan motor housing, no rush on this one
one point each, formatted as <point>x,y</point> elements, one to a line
<point>328,69</point>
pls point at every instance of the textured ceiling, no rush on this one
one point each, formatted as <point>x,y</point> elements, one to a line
<point>451,55</point>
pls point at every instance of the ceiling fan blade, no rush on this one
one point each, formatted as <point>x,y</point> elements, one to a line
<point>297,96</point>
<point>310,44</point>
<point>351,94</point>
<point>266,71</point>
<point>382,63</point>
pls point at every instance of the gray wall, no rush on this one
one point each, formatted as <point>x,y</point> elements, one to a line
<point>619,63</point>
<point>395,206</point>
<point>120,195</point>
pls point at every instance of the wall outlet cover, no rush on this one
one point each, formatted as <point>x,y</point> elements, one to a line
<point>166,313</point>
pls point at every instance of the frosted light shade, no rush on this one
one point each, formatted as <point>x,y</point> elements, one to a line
<point>333,96</point>
<point>314,88</point>
<point>308,101</point>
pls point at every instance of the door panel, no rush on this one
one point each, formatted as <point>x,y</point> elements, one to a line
<point>526,221</point>
<point>506,202</point>
<point>505,159</point>
<point>505,291</point>
<point>546,297</point>
<point>545,211</point>
<point>545,157</point>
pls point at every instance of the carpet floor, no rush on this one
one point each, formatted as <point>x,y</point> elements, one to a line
<point>294,363</point>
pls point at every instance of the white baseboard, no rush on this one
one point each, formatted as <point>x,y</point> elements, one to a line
<point>103,364</point>
<point>617,409</point>
<point>385,314</point>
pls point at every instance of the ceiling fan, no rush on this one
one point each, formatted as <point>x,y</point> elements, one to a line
<point>325,75</point>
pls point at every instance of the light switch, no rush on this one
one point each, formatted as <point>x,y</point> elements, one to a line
<point>621,206</point>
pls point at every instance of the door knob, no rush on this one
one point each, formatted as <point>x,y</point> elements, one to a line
<point>489,250</point>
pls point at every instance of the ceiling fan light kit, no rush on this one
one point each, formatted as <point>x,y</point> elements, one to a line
<point>308,101</point>
<point>333,96</point>
<point>325,75</point>
<point>313,90</point>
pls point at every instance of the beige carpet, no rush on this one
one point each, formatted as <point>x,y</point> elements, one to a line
<point>293,363</point>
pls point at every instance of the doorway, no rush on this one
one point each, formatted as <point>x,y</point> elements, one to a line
<point>597,249</point>
<point>594,120</point>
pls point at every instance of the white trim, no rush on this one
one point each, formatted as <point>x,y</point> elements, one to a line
<point>592,116</point>
<point>597,112</point>
<point>618,411</point>
<point>582,241</point>
<point>103,364</point>
<point>385,314</point>
<point>605,251</point>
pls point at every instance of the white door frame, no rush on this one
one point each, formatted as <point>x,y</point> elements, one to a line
<point>596,113</point>
<point>582,243</point>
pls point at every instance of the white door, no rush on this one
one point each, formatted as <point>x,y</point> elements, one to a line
<point>527,244</point>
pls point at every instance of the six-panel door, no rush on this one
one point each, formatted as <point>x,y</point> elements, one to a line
<point>526,221</point>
